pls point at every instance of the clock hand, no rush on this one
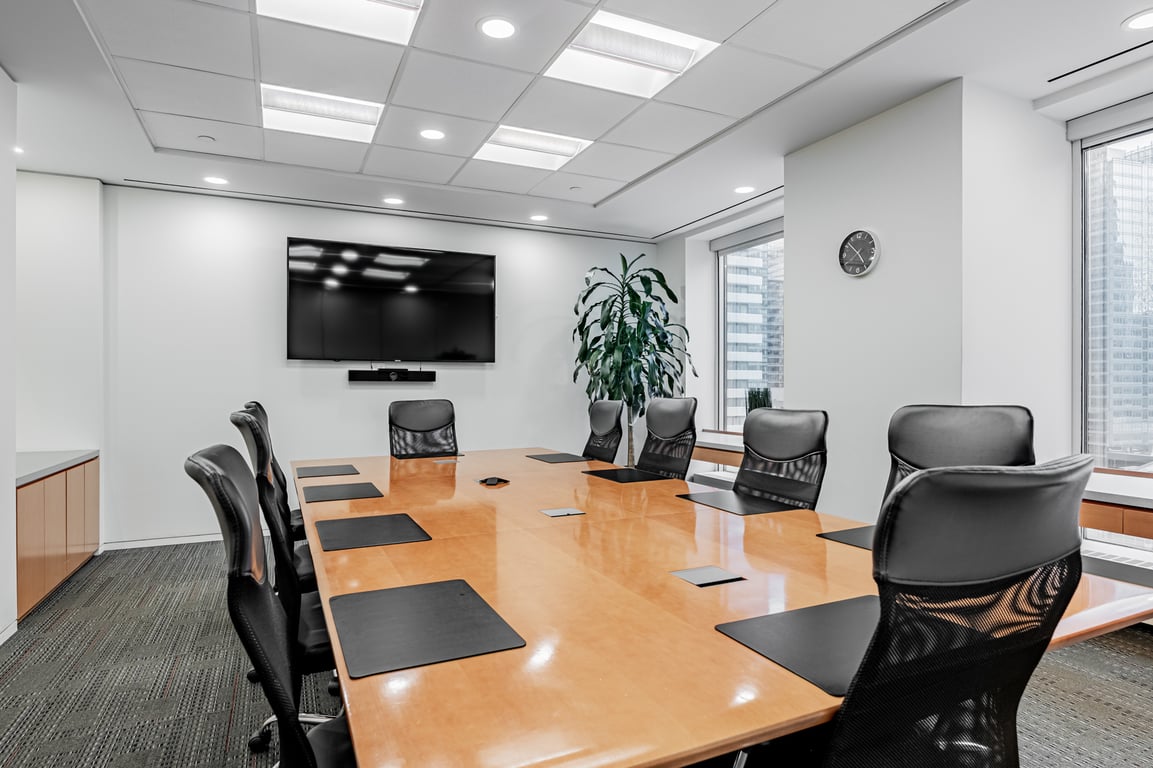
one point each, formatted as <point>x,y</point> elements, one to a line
<point>860,258</point>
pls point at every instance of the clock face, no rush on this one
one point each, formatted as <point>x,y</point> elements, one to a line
<point>859,252</point>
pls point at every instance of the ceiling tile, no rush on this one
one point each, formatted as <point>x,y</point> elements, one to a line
<point>610,161</point>
<point>193,35</point>
<point>712,21</point>
<point>401,127</point>
<point>499,176</point>
<point>579,189</point>
<point>457,87</point>
<point>543,26</point>
<point>667,127</point>
<point>709,85</point>
<point>558,106</point>
<point>411,165</point>
<point>800,29</point>
<point>176,132</point>
<point>178,91</point>
<point>313,151</point>
<point>312,59</point>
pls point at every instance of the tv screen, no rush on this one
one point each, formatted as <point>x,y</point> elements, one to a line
<point>351,301</point>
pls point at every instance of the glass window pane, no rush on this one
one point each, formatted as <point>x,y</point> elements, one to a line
<point>752,312</point>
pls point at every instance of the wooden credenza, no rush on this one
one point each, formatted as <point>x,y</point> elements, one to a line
<point>57,520</point>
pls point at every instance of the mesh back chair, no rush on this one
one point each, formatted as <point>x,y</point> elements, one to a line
<point>252,423</point>
<point>421,428</point>
<point>784,456</point>
<point>924,436</point>
<point>672,434</point>
<point>974,567</point>
<point>257,615</point>
<point>605,430</point>
<point>293,519</point>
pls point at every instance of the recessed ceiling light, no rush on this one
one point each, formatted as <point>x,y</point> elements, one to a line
<point>411,289</point>
<point>744,190</point>
<point>331,282</point>
<point>206,138</point>
<point>1142,20</point>
<point>319,114</point>
<point>339,269</point>
<point>521,146</point>
<point>388,20</point>
<point>622,54</point>
<point>394,201</point>
<point>432,133</point>
<point>498,28</point>
<point>18,150</point>
<point>539,217</point>
<point>216,179</point>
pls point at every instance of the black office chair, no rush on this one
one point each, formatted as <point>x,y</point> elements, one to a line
<point>672,435</point>
<point>924,436</point>
<point>273,499</point>
<point>974,567</point>
<point>294,520</point>
<point>259,618</point>
<point>785,456</point>
<point>605,430</point>
<point>421,428</point>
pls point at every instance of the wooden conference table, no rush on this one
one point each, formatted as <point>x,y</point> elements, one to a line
<point>622,666</point>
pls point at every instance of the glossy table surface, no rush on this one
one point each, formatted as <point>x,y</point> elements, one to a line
<point>622,666</point>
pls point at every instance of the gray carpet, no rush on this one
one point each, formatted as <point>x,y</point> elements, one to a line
<point>133,662</point>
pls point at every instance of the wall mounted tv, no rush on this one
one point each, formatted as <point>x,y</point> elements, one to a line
<point>351,301</point>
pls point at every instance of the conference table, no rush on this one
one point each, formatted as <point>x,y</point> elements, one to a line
<point>621,664</point>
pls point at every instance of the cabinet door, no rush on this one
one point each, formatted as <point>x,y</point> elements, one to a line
<point>77,498</point>
<point>91,506</point>
<point>55,530</point>
<point>29,546</point>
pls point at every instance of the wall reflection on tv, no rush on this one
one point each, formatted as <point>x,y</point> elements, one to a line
<point>352,301</point>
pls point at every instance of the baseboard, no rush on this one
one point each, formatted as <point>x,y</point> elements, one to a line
<point>7,632</point>
<point>163,542</point>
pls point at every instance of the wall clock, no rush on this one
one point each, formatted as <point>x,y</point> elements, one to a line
<point>859,252</point>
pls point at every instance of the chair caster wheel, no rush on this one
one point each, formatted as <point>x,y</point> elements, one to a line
<point>259,741</point>
<point>252,676</point>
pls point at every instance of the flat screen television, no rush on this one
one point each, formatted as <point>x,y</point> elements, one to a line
<point>352,301</point>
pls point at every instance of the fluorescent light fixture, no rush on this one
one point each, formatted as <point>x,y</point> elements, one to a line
<point>385,274</point>
<point>389,20</point>
<point>397,260</point>
<point>622,54</point>
<point>349,255</point>
<point>498,28</point>
<point>539,217</point>
<point>744,190</point>
<point>319,114</point>
<point>1142,20</point>
<point>339,269</point>
<point>521,146</point>
<point>331,282</point>
<point>18,150</point>
<point>410,289</point>
<point>304,251</point>
<point>295,265</point>
<point>216,179</point>
<point>432,133</point>
<point>394,201</point>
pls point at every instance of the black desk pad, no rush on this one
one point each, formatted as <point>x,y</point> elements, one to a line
<point>403,627</point>
<point>374,531</point>
<point>557,458</point>
<point>707,576</point>
<point>341,492</point>
<point>854,537</point>
<point>625,475</point>
<point>1119,571</point>
<point>328,470</point>
<point>823,644</point>
<point>738,504</point>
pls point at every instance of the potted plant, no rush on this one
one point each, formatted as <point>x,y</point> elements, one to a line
<point>629,348</point>
<point>758,397</point>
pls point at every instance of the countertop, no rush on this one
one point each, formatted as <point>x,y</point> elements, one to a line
<point>35,465</point>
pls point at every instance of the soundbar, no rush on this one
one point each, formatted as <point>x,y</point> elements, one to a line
<point>391,374</point>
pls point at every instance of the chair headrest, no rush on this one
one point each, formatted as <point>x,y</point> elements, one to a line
<point>780,434</point>
<point>421,415</point>
<point>955,435</point>
<point>668,417</point>
<point>221,472</point>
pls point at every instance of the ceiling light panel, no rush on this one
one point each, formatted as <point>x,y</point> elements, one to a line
<point>319,114</point>
<point>621,54</point>
<point>389,20</point>
<point>399,260</point>
<point>536,149</point>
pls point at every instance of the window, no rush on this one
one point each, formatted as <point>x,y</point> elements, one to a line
<point>1117,371</point>
<point>752,286</point>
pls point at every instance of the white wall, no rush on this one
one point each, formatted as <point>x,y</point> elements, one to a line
<point>860,348</point>
<point>699,296</point>
<point>59,350</point>
<point>11,331</point>
<point>1017,280</point>
<point>196,326</point>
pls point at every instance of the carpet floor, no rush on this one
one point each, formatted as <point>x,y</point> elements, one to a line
<point>133,662</point>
